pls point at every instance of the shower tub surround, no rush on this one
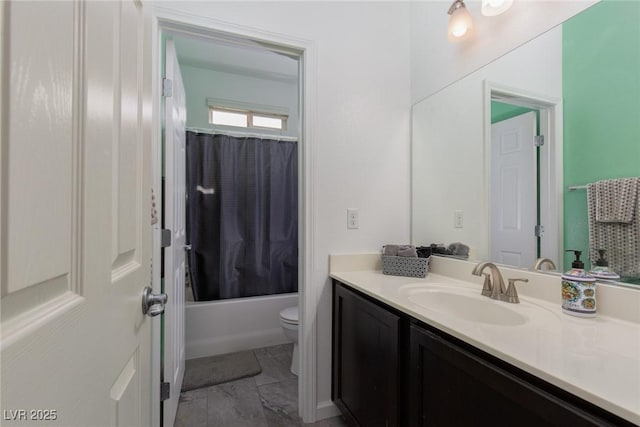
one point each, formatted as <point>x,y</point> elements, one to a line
<point>227,326</point>
<point>595,359</point>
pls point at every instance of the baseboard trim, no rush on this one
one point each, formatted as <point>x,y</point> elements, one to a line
<point>327,409</point>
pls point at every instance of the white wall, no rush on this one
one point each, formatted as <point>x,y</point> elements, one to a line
<point>202,83</point>
<point>447,143</point>
<point>436,63</point>
<point>362,122</point>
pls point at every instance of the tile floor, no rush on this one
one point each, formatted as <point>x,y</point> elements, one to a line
<point>269,399</point>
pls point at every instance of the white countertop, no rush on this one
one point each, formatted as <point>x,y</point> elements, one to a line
<point>597,359</point>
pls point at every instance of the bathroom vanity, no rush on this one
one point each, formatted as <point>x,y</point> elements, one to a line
<point>414,352</point>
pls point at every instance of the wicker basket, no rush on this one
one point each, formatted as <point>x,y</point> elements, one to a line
<point>405,266</point>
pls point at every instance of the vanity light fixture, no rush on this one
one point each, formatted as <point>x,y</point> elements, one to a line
<point>495,7</point>
<point>460,23</point>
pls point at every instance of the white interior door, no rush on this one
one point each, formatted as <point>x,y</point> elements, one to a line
<point>174,209</point>
<point>75,213</point>
<point>513,201</point>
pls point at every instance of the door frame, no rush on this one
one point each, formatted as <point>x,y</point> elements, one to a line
<point>170,20</point>
<point>551,161</point>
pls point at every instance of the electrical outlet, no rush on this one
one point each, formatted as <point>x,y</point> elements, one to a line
<point>353,221</point>
<point>458,219</point>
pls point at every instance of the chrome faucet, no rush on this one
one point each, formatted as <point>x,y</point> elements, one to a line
<point>542,261</point>
<point>494,285</point>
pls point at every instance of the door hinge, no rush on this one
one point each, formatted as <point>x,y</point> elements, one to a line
<point>539,229</point>
<point>165,238</point>
<point>167,88</point>
<point>538,140</point>
<point>165,391</point>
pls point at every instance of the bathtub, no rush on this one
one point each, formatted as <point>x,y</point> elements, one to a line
<point>226,326</point>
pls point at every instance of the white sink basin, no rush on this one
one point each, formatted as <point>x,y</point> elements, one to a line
<point>469,307</point>
<point>464,303</point>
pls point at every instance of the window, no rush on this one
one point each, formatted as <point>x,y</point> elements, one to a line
<point>228,118</point>
<point>270,122</point>
<point>219,115</point>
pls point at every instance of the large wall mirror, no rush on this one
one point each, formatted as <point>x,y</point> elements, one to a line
<point>479,166</point>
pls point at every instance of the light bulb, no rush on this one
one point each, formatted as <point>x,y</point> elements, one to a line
<point>495,7</point>
<point>459,31</point>
<point>460,23</point>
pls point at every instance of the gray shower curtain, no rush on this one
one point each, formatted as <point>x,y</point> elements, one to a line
<point>242,216</point>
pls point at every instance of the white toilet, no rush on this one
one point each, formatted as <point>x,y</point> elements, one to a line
<point>289,323</point>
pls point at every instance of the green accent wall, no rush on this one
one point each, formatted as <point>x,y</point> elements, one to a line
<point>601,91</point>
<point>501,111</point>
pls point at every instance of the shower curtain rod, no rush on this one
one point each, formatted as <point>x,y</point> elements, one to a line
<point>242,134</point>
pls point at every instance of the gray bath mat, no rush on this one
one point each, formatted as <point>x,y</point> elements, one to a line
<point>208,371</point>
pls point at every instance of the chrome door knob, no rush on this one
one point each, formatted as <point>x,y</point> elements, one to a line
<point>152,304</point>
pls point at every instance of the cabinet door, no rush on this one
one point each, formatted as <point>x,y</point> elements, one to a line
<point>365,360</point>
<point>450,386</point>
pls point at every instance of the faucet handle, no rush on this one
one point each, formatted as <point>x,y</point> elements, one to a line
<point>487,287</point>
<point>512,294</point>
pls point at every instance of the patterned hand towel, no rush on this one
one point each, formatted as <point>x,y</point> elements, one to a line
<point>616,227</point>
<point>616,200</point>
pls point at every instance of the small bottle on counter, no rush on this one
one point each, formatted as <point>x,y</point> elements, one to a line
<point>578,290</point>
<point>602,271</point>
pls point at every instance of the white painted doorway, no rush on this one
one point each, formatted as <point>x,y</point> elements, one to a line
<point>549,170</point>
<point>514,191</point>
<point>75,207</point>
<point>166,20</point>
<point>174,223</point>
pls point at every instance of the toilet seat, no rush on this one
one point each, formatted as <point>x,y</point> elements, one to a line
<point>289,315</point>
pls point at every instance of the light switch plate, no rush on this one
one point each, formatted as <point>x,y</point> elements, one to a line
<point>458,219</point>
<point>353,220</point>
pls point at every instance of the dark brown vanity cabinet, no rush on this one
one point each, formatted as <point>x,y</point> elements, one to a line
<point>451,386</point>
<point>392,370</point>
<point>366,369</point>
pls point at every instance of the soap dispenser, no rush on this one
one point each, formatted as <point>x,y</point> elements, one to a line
<point>601,271</point>
<point>578,289</point>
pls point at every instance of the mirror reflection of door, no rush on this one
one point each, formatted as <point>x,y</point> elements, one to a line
<point>514,185</point>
